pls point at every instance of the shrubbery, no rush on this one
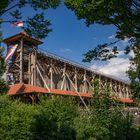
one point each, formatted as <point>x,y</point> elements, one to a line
<point>61,118</point>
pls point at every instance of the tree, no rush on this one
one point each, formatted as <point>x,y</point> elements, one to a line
<point>2,64</point>
<point>62,119</point>
<point>134,73</point>
<point>16,119</point>
<point>51,119</point>
<point>55,119</point>
<point>3,85</point>
<point>124,15</point>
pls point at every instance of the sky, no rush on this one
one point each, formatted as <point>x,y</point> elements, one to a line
<point>71,38</point>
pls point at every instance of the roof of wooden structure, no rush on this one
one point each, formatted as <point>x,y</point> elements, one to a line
<point>22,35</point>
<point>18,89</point>
<point>26,88</point>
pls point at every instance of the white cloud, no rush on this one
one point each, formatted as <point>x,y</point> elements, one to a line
<point>111,37</point>
<point>115,67</point>
<point>94,38</point>
<point>123,43</point>
<point>121,53</point>
<point>131,54</point>
<point>65,50</point>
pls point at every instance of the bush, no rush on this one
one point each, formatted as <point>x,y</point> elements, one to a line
<point>60,118</point>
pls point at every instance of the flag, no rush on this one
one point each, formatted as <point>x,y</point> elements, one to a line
<point>10,53</point>
<point>18,24</point>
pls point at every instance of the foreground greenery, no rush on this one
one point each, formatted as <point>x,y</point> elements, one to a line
<point>60,118</point>
<point>3,85</point>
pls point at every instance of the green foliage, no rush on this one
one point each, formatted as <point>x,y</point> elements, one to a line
<point>3,85</point>
<point>134,73</point>
<point>51,119</point>
<point>55,119</point>
<point>16,119</point>
<point>2,64</point>
<point>3,5</point>
<point>38,26</point>
<point>101,52</point>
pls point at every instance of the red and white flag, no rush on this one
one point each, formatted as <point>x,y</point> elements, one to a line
<point>10,53</point>
<point>18,24</point>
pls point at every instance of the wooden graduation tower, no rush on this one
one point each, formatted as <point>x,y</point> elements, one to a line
<point>21,68</point>
<point>34,71</point>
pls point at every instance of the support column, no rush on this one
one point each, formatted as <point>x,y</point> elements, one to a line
<point>35,71</point>
<point>84,80</point>
<point>75,77</point>
<point>64,78</point>
<point>29,69</point>
<point>7,66</point>
<point>51,74</point>
<point>21,61</point>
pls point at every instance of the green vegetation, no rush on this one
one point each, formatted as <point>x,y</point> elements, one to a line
<point>51,119</point>
<point>61,118</point>
<point>3,85</point>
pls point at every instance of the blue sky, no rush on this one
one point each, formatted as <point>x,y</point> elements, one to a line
<point>70,37</point>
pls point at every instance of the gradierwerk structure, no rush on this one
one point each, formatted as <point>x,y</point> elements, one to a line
<point>32,72</point>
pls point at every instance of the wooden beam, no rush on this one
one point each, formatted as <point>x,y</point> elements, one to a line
<point>21,60</point>
<point>42,78</point>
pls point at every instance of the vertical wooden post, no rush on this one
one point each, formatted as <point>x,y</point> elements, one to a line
<point>111,85</point>
<point>127,92</point>
<point>21,60</point>
<point>51,72</point>
<point>7,67</point>
<point>29,69</point>
<point>65,81</point>
<point>84,80</point>
<point>76,79</point>
<point>100,86</point>
<point>32,69</point>
<point>120,93</point>
<point>35,74</point>
<point>64,76</point>
<point>92,82</point>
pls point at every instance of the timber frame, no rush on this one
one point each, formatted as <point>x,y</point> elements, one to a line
<point>30,65</point>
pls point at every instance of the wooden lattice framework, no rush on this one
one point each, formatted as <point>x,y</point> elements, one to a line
<point>29,65</point>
